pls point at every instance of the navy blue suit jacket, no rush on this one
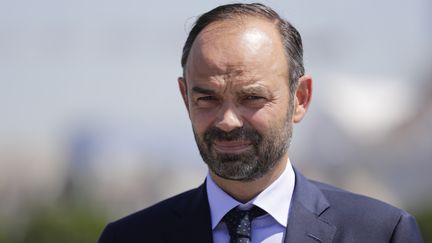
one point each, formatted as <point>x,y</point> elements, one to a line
<point>319,213</point>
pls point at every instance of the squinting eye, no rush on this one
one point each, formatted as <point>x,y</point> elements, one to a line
<point>206,98</point>
<point>254,101</point>
<point>207,101</point>
<point>254,97</point>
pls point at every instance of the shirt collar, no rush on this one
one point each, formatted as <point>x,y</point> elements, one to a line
<point>275,199</point>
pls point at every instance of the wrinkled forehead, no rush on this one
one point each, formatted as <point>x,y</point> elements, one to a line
<point>237,46</point>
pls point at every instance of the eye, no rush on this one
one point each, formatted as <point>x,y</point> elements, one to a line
<point>206,98</point>
<point>254,101</point>
<point>206,101</point>
<point>254,97</point>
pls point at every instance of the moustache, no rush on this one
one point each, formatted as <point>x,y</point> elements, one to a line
<point>241,133</point>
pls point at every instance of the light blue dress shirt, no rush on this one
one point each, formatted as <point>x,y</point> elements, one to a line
<point>275,200</point>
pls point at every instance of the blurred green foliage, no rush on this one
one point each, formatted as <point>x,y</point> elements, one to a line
<point>63,223</point>
<point>424,219</point>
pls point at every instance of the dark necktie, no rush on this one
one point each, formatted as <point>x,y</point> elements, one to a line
<point>239,223</point>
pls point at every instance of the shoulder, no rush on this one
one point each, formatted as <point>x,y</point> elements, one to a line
<point>159,211</point>
<point>165,208</point>
<point>356,203</point>
<point>152,219</point>
<point>356,214</point>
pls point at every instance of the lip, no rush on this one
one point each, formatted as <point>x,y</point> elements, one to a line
<point>236,146</point>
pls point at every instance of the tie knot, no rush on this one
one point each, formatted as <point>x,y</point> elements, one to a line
<point>239,223</point>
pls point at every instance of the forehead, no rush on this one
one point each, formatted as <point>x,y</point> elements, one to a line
<point>241,49</point>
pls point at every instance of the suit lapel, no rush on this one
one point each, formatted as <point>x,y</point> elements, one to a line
<point>305,223</point>
<point>194,217</point>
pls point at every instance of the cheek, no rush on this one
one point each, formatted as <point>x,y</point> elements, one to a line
<point>260,120</point>
<point>201,121</point>
<point>267,118</point>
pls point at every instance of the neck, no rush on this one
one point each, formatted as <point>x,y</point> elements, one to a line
<point>245,191</point>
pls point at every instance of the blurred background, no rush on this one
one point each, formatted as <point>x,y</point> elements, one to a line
<point>92,126</point>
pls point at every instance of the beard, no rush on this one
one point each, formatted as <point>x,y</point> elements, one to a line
<point>265,152</point>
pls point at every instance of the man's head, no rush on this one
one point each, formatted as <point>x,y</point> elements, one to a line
<point>289,35</point>
<point>243,87</point>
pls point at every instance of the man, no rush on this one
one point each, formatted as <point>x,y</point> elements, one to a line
<point>244,86</point>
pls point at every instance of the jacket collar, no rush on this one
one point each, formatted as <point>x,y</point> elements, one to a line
<point>305,222</point>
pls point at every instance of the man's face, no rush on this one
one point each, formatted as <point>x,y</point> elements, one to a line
<point>237,94</point>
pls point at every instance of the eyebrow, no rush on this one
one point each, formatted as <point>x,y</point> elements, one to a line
<point>253,90</point>
<point>203,91</point>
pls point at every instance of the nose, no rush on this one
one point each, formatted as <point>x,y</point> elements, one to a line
<point>229,118</point>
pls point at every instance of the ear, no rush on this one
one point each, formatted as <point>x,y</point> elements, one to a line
<point>183,91</point>
<point>302,98</point>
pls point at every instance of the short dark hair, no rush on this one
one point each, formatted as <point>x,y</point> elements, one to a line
<point>291,38</point>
